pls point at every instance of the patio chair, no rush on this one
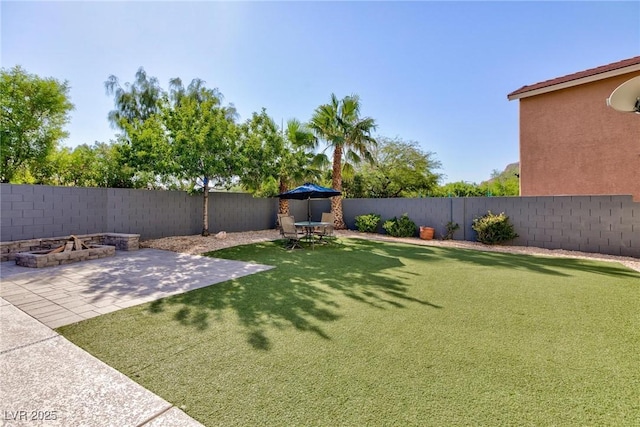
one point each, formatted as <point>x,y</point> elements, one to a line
<point>279,222</point>
<point>291,232</point>
<point>326,231</point>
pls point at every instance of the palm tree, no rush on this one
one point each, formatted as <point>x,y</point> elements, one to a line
<point>348,135</point>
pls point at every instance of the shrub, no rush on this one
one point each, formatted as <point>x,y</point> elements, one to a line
<point>368,223</point>
<point>402,227</point>
<point>492,228</point>
<point>451,229</point>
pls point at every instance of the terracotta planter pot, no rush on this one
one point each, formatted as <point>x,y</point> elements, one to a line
<point>426,233</point>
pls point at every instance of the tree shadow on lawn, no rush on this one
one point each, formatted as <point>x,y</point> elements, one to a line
<point>555,266</point>
<point>152,274</point>
<point>303,291</point>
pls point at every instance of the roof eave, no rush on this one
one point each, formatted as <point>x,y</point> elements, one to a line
<point>576,82</point>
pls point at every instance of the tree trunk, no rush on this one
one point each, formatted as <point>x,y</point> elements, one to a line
<point>205,208</point>
<point>336,202</point>
<point>283,205</point>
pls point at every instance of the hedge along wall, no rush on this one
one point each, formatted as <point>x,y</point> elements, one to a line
<point>603,224</point>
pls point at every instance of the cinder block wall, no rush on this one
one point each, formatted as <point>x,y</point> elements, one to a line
<point>238,212</point>
<point>41,211</point>
<point>300,208</point>
<point>35,211</point>
<point>153,213</point>
<point>603,224</point>
<point>430,212</point>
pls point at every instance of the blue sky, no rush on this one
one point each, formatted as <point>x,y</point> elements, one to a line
<point>433,72</point>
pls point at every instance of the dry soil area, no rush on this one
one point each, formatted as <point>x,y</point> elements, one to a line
<point>197,244</point>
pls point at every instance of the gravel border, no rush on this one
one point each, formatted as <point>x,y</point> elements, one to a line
<point>197,244</point>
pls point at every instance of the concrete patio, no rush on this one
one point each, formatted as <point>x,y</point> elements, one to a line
<point>47,380</point>
<point>66,294</point>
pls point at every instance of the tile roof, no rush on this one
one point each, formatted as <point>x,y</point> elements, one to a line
<point>580,75</point>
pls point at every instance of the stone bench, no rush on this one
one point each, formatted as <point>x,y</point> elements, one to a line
<point>121,242</point>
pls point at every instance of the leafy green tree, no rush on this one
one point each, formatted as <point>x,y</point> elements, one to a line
<point>505,183</point>
<point>81,171</point>
<point>138,114</point>
<point>348,135</point>
<point>183,136</point>
<point>54,171</point>
<point>354,186</point>
<point>202,138</point>
<point>69,167</point>
<point>146,146</point>
<point>458,189</point>
<point>33,112</point>
<point>110,168</point>
<point>97,165</point>
<point>262,146</point>
<point>401,169</point>
<point>275,159</point>
<point>135,102</point>
<point>298,163</point>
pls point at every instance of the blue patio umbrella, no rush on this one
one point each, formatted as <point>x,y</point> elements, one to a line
<point>307,192</point>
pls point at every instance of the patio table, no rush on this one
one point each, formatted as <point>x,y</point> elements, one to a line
<point>309,226</point>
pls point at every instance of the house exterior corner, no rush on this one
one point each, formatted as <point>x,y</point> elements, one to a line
<point>572,143</point>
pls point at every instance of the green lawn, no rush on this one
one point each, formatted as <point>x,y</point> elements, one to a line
<point>372,333</point>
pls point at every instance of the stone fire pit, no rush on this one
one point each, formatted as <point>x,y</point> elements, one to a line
<point>72,249</point>
<point>45,258</point>
<point>50,251</point>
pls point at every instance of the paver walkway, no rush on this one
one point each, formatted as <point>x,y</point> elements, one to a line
<point>47,380</point>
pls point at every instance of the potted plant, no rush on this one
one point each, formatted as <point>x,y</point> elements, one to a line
<point>426,233</point>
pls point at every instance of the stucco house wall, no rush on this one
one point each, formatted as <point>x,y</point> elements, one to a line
<point>572,143</point>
